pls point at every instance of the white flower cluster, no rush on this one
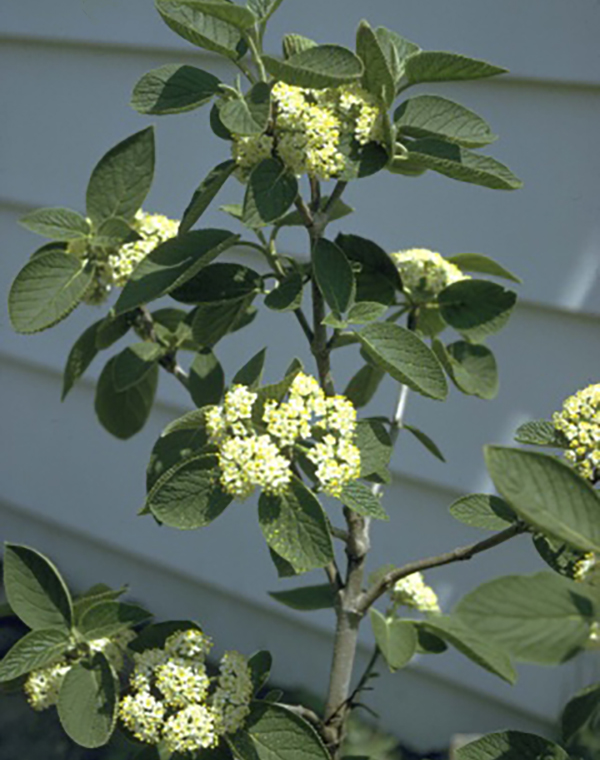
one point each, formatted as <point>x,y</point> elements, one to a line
<point>309,127</point>
<point>43,685</point>
<point>412,591</point>
<point>248,459</point>
<point>585,566</point>
<point>579,423</point>
<point>113,266</point>
<point>170,699</point>
<point>425,273</point>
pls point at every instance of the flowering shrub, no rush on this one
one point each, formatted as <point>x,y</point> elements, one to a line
<point>318,113</point>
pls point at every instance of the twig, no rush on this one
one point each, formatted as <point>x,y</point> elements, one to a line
<point>458,555</point>
<point>304,712</point>
<point>339,188</point>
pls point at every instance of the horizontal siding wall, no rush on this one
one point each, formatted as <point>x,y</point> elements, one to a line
<point>69,489</point>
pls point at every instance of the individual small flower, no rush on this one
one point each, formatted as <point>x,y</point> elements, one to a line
<point>42,686</point>
<point>231,700</point>
<point>190,729</point>
<point>412,591</point>
<point>145,663</point>
<point>337,462</point>
<point>425,273</point>
<point>143,715</point>
<point>579,423</point>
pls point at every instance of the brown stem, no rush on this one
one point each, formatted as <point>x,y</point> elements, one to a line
<point>145,324</point>
<point>458,555</point>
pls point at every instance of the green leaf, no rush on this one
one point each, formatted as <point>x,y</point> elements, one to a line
<point>260,664</point>
<point>405,357</point>
<point>295,43</point>
<point>361,160</point>
<point>396,639</point>
<point>477,262</point>
<point>124,413</point>
<point>171,264</point>
<point>425,440</point>
<point>338,210</point>
<point>173,88</point>
<point>282,566</point>
<point>100,592</point>
<point>377,278</point>
<point>334,275</point>
<point>428,643</point>
<point>113,232</point>
<point>472,368</point>
<point>109,618</point>
<point>80,357</point>
<point>540,433</point>
<point>207,379</point>
<point>561,557</point>
<point>247,115</point>
<point>88,702</point>
<point>511,745</point>
<point>434,66</point>
<point>133,364</point>
<point>204,194</point>
<point>461,164</point>
<point>212,321</point>
<point>189,496</point>
<point>433,116</point>
<point>547,494</point>
<point>538,618</point>
<point>237,15</point>
<point>295,527</point>
<point>306,598</point>
<point>56,223</point>
<point>36,649</point>
<point>219,282</point>
<point>378,77</point>
<point>482,510</point>
<point>396,50</point>
<point>473,645</point>
<point>273,733</point>
<point>476,308</point>
<point>201,29</point>
<point>251,373</point>
<point>122,178</point>
<point>375,445</point>
<point>363,385</point>
<point>270,192</point>
<point>111,329</point>
<point>174,447</point>
<point>35,589</point>
<point>581,712</point>
<point>363,312</point>
<point>46,291</point>
<point>287,296</point>
<point>360,498</point>
<point>218,127</point>
<point>317,67</point>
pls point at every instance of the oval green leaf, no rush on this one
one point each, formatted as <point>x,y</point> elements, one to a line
<point>60,224</point>
<point>46,291</point>
<point>317,67</point>
<point>477,262</point>
<point>270,192</point>
<point>482,510</point>
<point>36,649</point>
<point>476,308</point>
<point>174,88</point>
<point>334,275</point>
<point>396,639</point>
<point>439,66</point>
<point>405,357</point>
<point>511,745</point>
<point>124,413</point>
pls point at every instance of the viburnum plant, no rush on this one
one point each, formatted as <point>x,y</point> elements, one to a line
<point>317,114</point>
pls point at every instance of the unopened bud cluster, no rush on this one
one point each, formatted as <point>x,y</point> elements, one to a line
<point>259,453</point>
<point>579,423</point>
<point>412,591</point>
<point>425,273</point>
<point>113,265</point>
<point>173,699</point>
<point>311,128</point>
<point>42,686</point>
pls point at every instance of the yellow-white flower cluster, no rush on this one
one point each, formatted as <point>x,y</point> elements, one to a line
<point>425,273</point>
<point>309,127</point>
<point>113,265</point>
<point>585,566</point>
<point>250,458</point>
<point>412,591</point>
<point>579,423</point>
<point>171,699</point>
<point>43,685</point>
